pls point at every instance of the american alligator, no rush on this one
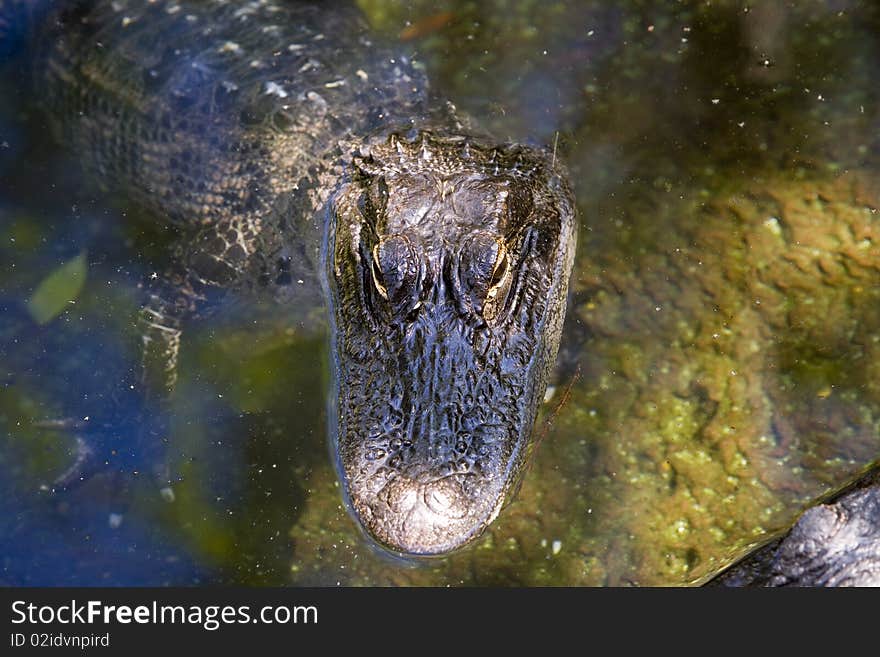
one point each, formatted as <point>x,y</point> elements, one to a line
<point>286,145</point>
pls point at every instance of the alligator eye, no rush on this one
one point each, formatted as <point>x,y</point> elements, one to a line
<point>397,273</point>
<point>483,274</point>
<point>376,271</point>
<point>499,272</point>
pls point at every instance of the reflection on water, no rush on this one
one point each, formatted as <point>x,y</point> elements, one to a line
<point>719,368</point>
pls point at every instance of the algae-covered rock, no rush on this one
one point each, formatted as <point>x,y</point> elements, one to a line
<point>753,318</point>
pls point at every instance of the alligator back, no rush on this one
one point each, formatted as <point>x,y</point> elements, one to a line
<point>217,113</point>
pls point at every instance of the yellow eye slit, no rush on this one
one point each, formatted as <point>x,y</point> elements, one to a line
<point>499,270</point>
<point>376,273</point>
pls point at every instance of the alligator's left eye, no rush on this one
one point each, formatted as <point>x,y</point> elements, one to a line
<point>484,274</point>
<point>499,271</point>
<point>376,273</point>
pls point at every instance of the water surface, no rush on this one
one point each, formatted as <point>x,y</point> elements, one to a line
<point>719,369</point>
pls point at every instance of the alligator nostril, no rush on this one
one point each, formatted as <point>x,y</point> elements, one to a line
<point>383,474</point>
<point>421,511</point>
<point>401,495</point>
<point>446,498</point>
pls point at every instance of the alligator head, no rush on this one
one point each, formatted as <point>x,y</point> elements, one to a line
<point>447,264</point>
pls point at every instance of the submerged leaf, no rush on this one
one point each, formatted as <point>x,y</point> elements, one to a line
<point>426,25</point>
<point>58,289</point>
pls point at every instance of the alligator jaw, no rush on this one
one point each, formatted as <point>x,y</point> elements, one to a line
<point>447,266</point>
<point>426,519</point>
<point>432,433</point>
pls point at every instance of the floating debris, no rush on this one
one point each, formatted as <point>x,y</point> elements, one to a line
<point>58,290</point>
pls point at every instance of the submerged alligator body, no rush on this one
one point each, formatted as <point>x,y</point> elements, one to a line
<point>285,144</point>
<point>836,543</point>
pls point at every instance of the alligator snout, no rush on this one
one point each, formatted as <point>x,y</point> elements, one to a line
<point>428,517</point>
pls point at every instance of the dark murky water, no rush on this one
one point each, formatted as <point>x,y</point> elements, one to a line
<point>720,364</point>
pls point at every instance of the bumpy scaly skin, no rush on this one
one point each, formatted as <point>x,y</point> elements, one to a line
<point>832,544</point>
<point>225,117</point>
<point>449,272</point>
<point>232,120</point>
<point>266,130</point>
